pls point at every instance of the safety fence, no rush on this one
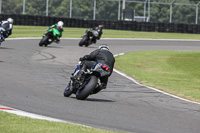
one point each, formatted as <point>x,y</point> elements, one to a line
<point>117,25</point>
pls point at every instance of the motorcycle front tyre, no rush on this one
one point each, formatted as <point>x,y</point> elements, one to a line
<point>83,41</point>
<point>68,91</point>
<point>44,41</point>
<point>88,89</point>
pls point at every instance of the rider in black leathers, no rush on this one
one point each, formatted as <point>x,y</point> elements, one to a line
<point>101,55</point>
<point>97,32</point>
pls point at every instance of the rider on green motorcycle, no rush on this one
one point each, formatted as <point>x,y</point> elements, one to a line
<point>59,27</point>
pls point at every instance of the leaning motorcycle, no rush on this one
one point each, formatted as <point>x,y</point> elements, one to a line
<point>87,38</point>
<point>84,84</point>
<point>49,37</point>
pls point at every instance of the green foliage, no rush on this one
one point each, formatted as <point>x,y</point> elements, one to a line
<point>83,9</point>
<point>59,8</point>
<point>105,9</point>
<point>12,6</point>
<point>10,123</point>
<point>36,7</point>
<point>183,14</point>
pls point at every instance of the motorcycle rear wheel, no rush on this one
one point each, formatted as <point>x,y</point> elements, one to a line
<point>88,89</point>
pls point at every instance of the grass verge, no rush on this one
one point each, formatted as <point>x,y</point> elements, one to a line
<point>175,72</point>
<point>10,123</point>
<point>38,31</point>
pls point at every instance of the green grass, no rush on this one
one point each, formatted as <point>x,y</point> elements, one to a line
<point>38,31</point>
<point>175,72</point>
<point>10,123</point>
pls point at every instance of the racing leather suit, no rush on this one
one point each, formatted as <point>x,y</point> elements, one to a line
<point>97,32</point>
<point>6,28</point>
<point>101,56</point>
<point>60,29</point>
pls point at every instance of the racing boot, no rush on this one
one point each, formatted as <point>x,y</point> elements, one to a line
<point>99,88</point>
<point>57,40</point>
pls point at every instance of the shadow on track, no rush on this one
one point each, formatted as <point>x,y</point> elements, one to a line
<point>99,100</point>
<point>94,100</point>
<point>59,47</point>
<point>6,48</point>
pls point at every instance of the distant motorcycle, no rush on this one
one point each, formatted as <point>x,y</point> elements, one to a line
<point>49,37</point>
<point>87,38</point>
<point>82,85</point>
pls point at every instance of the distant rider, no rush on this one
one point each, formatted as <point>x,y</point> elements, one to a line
<point>97,32</point>
<point>59,27</point>
<point>101,55</point>
<point>6,28</point>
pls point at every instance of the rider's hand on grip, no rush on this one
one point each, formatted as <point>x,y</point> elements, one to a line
<point>81,59</point>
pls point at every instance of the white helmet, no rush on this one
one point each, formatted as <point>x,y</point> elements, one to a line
<point>103,47</point>
<point>60,24</point>
<point>10,20</point>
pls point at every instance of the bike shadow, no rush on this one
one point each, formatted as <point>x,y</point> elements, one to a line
<point>6,48</point>
<point>59,47</point>
<point>95,100</point>
<point>98,100</point>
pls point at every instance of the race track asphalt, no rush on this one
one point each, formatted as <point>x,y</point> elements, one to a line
<point>33,79</point>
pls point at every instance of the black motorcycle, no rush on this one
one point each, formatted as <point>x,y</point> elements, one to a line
<point>83,84</point>
<point>87,38</point>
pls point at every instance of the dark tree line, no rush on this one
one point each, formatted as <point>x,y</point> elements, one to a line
<point>105,9</point>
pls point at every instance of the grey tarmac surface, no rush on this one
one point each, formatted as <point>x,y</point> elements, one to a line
<point>33,79</point>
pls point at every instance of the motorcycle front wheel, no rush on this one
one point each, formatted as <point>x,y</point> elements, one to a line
<point>44,41</point>
<point>88,89</point>
<point>68,91</point>
<point>83,41</point>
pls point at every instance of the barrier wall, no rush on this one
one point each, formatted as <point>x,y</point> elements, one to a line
<point>117,25</point>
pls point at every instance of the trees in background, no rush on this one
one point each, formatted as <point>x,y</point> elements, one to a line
<point>12,6</point>
<point>105,9</point>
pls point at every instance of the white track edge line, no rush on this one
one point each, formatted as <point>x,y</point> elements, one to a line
<point>136,82</point>
<point>36,116</point>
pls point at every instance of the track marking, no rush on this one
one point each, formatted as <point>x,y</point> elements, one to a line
<point>136,82</point>
<point>35,116</point>
<point>5,108</point>
<point>26,114</point>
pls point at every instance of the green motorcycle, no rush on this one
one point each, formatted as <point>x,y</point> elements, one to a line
<point>49,37</point>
